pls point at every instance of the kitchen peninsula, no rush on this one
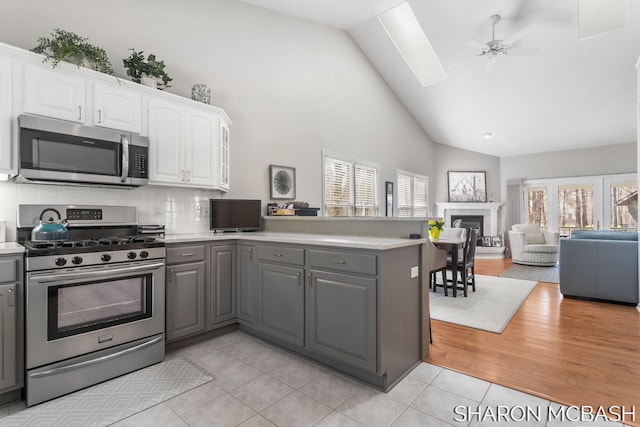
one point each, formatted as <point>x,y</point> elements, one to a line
<point>356,303</point>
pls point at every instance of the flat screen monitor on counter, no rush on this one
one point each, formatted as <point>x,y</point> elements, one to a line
<point>235,214</point>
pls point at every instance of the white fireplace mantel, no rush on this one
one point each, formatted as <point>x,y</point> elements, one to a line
<point>490,210</point>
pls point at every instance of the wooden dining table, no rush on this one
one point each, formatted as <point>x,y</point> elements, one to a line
<point>452,244</point>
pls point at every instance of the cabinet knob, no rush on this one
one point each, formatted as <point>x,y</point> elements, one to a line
<point>12,298</point>
<point>79,112</point>
<point>99,116</point>
<point>339,261</point>
<point>278,255</point>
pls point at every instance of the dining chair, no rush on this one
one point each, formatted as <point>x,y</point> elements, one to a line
<point>437,263</point>
<point>465,266</point>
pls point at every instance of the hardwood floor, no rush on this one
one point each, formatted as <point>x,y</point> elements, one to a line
<point>570,351</point>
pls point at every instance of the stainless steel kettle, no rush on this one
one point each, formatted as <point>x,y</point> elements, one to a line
<point>50,230</point>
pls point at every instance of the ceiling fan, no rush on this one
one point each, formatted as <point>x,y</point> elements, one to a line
<point>497,47</point>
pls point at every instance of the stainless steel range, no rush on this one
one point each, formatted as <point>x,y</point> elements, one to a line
<point>94,302</point>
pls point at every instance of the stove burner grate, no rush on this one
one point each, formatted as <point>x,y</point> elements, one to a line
<point>103,242</point>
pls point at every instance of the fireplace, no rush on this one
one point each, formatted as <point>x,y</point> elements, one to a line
<point>471,221</point>
<point>488,227</point>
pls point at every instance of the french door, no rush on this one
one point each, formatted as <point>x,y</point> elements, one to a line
<point>592,203</point>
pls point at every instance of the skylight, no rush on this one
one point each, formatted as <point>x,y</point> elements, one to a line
<point>600,16</point>
<point>406,33</point>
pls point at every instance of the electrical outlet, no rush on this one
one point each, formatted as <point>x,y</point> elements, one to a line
<point>156,212</point>
<point>415,271</point>
<point>206,211</point>
<point>196,211</point>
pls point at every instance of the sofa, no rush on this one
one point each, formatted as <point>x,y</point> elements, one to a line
<point>600,264</point>
<point>530,245</point>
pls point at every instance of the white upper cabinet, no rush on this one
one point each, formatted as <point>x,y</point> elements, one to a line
<point>6,151</point>
<point>117,107</point>
<point>188,140</point>
<point>54,93</point>
<point>166,142</point>
<point>184,145</point>
<point>200,148</point>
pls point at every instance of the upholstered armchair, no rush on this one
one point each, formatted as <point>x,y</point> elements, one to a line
<point>530,245</point>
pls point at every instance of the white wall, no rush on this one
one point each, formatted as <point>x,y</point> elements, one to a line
<point>605,160</point>
<point>291,87</point>
<point>448,158</point>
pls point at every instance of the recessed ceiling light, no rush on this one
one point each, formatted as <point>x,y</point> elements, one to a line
<point>488,135</point>
<point>407,35</point>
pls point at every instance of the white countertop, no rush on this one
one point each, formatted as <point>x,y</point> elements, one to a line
<point>8,248</point>
<point>343,241</point>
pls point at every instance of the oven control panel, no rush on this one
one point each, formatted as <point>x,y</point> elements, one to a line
<point>84,214</point>
<point>87,259</point>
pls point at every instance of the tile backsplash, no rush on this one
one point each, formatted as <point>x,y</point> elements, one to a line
<point>181,210</point>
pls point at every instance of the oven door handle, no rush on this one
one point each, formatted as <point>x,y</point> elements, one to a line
<point>97,360</point>
<point>90,274</point>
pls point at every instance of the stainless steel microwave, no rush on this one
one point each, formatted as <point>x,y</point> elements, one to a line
<point>52,150</point>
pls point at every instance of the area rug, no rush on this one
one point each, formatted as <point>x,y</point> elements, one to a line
<point>490,308</point>
<point>105,403</point>
<point>527,272</point>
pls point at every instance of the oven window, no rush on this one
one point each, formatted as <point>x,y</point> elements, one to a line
<point>79,308</point>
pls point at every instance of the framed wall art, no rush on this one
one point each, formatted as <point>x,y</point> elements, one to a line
<point>467,186</point>
<point>283,182</point>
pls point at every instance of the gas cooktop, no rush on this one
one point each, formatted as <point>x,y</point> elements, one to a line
<point>96,236</point>
<point>50,247</point>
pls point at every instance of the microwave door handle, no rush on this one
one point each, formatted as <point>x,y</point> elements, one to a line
<point>124,140</point>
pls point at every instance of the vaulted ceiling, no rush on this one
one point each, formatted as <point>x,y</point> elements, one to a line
<point>566,93</point>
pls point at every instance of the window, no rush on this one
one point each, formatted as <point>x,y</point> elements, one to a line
<point>413,194</point>
<point>624,206</point>
<point>575,207</point>
<point>350,186</point>
<point>537,206</point>
<point>599,202</point>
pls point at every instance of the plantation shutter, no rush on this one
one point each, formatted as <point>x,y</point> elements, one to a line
<point>405,199</point>
<point>366,190</point>
<point>420,196</point>
<point>413,195</point>
<point>338,185</point>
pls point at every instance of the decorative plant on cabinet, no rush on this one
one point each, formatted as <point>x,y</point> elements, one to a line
<point>70,47</point>
<point>140,67</point>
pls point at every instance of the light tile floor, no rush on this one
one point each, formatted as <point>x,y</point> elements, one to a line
<point>259,384</point>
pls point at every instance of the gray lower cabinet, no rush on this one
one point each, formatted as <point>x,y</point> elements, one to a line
<point>185,291</point>
<point>340,315</point>
<point>358,311</point>
<point>221,293</point>
<point>245,285</point>
<point>281,302</point>
<point>11,323</point>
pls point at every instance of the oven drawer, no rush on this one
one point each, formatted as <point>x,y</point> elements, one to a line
<point>343,261</point>
<point>281,254</point>
<point>181,254</point>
